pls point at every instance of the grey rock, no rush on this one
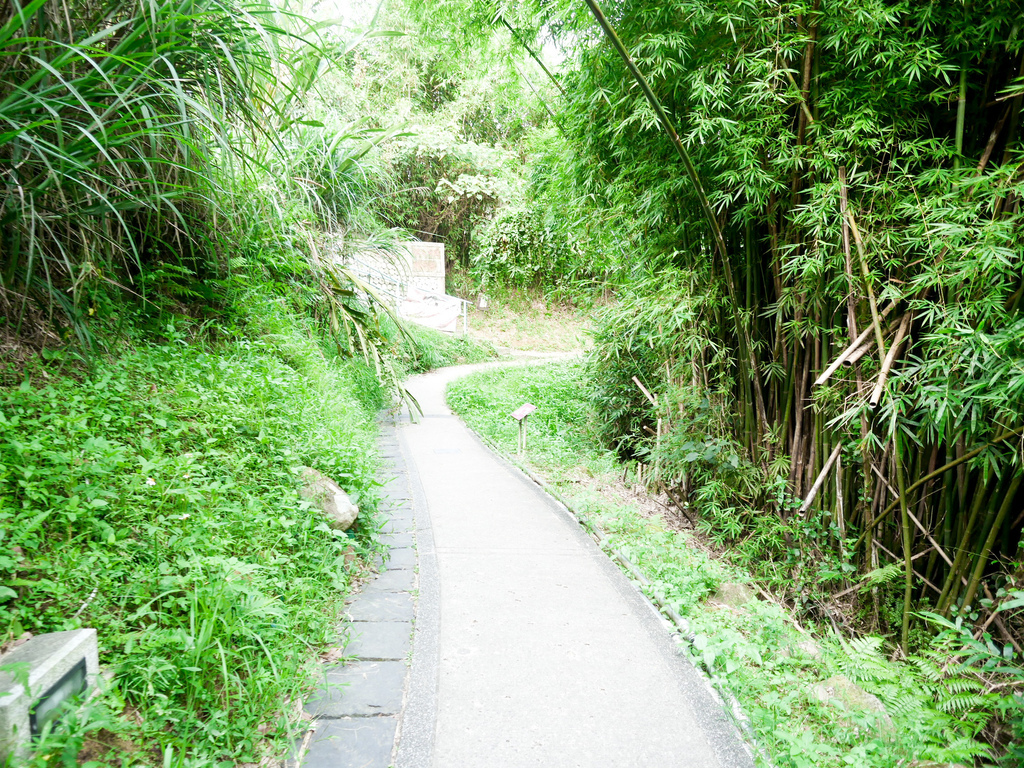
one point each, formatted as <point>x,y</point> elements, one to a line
<point>733,595</point>
<point>806,647</point>
<point>361,689</point>
<point>850,695</point>
<point>335,503</point>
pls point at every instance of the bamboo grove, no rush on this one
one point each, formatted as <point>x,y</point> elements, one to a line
<point>849,292</point>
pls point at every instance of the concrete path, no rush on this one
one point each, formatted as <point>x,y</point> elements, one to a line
<point>531,647</point>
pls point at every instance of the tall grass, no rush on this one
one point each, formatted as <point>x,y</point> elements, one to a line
<point>113,115</point>
<point>150,147</point>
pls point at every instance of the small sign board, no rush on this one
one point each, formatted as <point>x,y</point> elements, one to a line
<point>523,411</point>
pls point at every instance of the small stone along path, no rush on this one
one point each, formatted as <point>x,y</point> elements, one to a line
<point>531,648</point>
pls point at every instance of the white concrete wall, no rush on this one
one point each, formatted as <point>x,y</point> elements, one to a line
<point>414,263</point>
<point>427,260</point>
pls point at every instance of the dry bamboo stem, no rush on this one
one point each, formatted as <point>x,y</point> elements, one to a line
<point>931,540</point>
<point>857,347</point>
<point>679,506</point>
<point>858,353</point>
<point>890,358</point>
<point>651,398</point>
<point>999,622</point>
<point>840,512</point>
<point>897,558</point>
<point>821,478</point>
<point>865,272</point>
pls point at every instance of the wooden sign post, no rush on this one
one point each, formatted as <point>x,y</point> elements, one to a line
<point>520,414</point>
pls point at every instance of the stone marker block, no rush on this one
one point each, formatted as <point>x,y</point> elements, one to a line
<point>59,665</point>
<point>361,689</point>
<point>379,640</point>
<point>352,742</point>
<point>382,606</point>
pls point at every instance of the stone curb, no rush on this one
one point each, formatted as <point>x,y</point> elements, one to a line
<point>358,709</point>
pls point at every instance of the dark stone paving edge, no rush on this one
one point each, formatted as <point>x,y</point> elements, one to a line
<point>351,745</point>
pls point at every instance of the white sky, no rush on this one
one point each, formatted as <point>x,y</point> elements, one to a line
<point>353,13</point>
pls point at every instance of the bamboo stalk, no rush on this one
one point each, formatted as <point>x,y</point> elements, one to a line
<point>931,540</point>
<point>858,353</point>
<point>515,36</point>
<point>840,506</point>
<point>865,272</point>
<point>979,566</point>
<point>821,478</point>
<point>950,465</point>
<point>961,111</point>
<point>858,347</point>
<point>890,358</point>
<point>951,587</point>
<point>746,342</point>
<point>650,398</point>
<point>908,561</point>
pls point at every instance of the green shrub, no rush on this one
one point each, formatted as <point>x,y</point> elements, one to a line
<point>517,250</point>
<point>424,349</point>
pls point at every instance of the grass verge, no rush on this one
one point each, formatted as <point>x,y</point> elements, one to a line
<point>814,697</point>
<point>424,349</point>
<point>154,496</point>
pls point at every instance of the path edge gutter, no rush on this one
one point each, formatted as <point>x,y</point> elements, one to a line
<point>418,721</point>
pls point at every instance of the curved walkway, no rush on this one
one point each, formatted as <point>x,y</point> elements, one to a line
<point>545,654</point>
<point>531,648</point>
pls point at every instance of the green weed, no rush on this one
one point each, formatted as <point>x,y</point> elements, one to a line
<point>155,498</point>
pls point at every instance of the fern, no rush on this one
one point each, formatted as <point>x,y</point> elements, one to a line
<point>883,575</point>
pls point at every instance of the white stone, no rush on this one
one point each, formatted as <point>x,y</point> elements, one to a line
<point>337,507</point>
<point>733,595</point>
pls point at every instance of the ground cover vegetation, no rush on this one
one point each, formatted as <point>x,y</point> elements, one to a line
<point>803,691</point>
<point>156,498</point>
<point>181,184</point>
